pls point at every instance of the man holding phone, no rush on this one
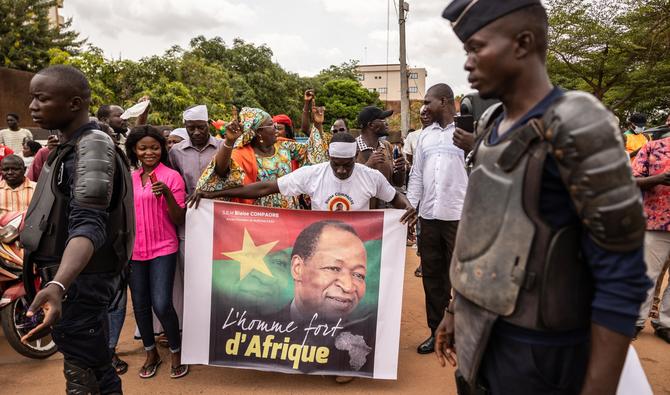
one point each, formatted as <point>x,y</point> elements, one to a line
<point>464,135</point>
<point>377,153</point>
<point>438,180</point>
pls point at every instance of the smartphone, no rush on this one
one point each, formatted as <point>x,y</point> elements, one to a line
<point>465,122</point>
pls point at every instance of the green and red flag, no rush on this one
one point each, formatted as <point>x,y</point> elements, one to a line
<point>270,309</point>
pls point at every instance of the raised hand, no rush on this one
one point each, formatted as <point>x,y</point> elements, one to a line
<point>464,140</point>
<point>309,95</point>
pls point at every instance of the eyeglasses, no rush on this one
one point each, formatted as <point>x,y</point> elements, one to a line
<point>333,129</point>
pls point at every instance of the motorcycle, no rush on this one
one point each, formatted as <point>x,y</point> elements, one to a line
<point>13,303</point>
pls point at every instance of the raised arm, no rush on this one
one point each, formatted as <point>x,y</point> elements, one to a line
<point>318,116</point>
<point>142,119</point>
<point>305,118</point>
<point>233,130</point>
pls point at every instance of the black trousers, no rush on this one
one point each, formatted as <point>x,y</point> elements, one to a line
<point>436,245</point>
<point>81,333</point>
<point>513,367</point>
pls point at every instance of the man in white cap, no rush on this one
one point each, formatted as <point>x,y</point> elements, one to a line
<point>191,156</point>
<point>176,136</point>
<point>338,185</point>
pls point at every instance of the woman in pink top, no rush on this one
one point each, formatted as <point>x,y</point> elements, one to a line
<point>159,207</point>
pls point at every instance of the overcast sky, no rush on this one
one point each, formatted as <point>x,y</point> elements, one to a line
<point>305,35</point>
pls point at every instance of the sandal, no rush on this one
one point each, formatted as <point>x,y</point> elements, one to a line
<point>179,371</point>
<point>149,371</point>
<point>119,365</point>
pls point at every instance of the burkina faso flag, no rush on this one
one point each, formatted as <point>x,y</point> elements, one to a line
<point>252,273</point>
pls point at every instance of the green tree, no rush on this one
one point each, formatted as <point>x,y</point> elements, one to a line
<point>26,35</point>
<point>254,78</point>
<point>98,70</point>
<point>210,73</point>
<point>168,100</point>
<point>345,71</point>
<point>344,98</point>
<point>616,50</point>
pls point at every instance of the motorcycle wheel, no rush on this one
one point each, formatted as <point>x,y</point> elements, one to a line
<point>15,324</point>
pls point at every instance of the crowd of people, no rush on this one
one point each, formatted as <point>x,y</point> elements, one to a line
<point>479,205</point>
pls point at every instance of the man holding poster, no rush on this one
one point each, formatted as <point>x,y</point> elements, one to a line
<point>338,185</point>
<point>294,291</point>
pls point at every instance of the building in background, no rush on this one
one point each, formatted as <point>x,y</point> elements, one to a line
<point>55,18</point>
<point>385,79</point>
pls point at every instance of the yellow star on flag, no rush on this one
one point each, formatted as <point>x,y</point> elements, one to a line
<point>251,256</point>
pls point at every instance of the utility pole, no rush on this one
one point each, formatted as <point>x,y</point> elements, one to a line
<point>404,86</point>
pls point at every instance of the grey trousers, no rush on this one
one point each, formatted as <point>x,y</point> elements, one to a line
<point>656,253</point>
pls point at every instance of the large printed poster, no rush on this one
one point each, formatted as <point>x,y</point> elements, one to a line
<point>294,291</point>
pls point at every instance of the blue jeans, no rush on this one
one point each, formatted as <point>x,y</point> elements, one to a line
<point>151,287</point>
<point>117,316</point>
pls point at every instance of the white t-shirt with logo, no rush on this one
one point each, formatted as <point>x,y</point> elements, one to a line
<point>329,193</point>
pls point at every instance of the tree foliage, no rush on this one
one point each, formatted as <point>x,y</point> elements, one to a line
<point>220,76</point>
<point>344,98</point>
<point>26,35</point>
<point>208,72</point>
<point>615,49</point>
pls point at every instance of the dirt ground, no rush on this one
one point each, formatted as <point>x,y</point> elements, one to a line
<point>417,374</point>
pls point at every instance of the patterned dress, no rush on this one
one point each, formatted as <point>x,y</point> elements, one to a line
<point>654,159</point>
<point>314,151</point>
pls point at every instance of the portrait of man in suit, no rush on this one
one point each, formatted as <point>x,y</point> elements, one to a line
<point>328,266</point>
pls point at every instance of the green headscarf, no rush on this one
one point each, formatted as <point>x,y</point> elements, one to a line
<point>251,119</point>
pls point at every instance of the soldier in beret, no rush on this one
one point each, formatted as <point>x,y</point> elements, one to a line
<point>548,269</point>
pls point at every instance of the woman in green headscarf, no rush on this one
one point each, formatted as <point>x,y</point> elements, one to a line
<point>252,151</point>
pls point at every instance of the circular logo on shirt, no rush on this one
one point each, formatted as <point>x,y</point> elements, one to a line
<point>339,202</point>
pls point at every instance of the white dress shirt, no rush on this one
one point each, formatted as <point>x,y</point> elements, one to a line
<point>438,179</point>
<point>410,142</point>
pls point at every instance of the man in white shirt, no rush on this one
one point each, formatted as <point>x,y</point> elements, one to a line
<point>438,180</point>
<point>338,185</point>
<point>413,137</point>
<point>14,136</point>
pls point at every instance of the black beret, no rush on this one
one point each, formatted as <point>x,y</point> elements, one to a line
<point>469,16</point>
